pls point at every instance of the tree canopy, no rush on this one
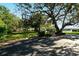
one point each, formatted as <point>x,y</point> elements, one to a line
<point>8,20</point>
<point>66,13</point>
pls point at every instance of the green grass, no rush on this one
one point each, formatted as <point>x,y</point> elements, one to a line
<point>72,33</point>
<point>17,36</point>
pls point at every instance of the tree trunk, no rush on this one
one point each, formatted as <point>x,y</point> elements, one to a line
<point>59,32</point>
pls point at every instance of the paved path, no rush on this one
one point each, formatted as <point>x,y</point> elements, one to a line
<point>45,46</point>
<point>71,36</point>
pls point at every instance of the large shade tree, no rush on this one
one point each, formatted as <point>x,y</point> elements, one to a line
<point>11,21</point>
<point>67,14</point>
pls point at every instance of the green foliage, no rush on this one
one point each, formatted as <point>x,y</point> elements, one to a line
<point>17,36</point>
<point>8,22</point>
<point>77,33</point>
<point>2,27</point>
<point>2,30</point>
<point>2,24</point>
<point>41,33</point>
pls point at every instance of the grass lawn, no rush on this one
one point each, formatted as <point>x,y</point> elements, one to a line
<point>21,36</point>
<point>17,36</point>
<point>77,33</point>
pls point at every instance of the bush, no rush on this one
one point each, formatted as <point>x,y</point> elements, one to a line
<point>50,31</point>
<point>2,30</point>
<point>42,33</point>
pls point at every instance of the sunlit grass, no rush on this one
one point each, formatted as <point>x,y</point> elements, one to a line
<point>71,32</point>
<point>17,36</point>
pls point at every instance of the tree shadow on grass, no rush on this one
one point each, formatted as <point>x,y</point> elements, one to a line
<point>71,36</point>
<point>37,46</point>
<point>34,46</point>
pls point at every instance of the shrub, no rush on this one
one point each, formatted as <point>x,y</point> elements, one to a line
<point>41,33</point>
<point>2,30</point>
<point>50,31</point>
